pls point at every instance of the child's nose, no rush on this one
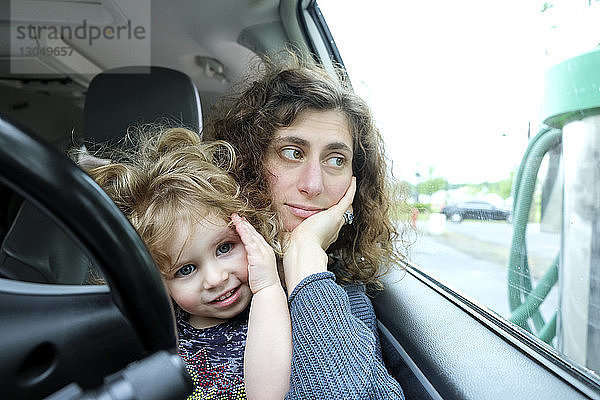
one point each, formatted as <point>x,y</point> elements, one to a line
<point>214,276</point>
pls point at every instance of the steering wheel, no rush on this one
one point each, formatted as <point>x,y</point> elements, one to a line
<point>74,201</point>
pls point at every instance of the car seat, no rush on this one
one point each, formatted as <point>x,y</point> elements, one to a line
<point>121,97</point>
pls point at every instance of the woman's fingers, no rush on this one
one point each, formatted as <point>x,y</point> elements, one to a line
<point>346,200</point>
<point>345,203</point>
<point>325,226</point>
<point>306,244</point>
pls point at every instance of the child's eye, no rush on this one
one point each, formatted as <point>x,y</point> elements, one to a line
<point>224,248</point>
<point>336,161</point>
<point>291,154</point>
<point>185,270</point>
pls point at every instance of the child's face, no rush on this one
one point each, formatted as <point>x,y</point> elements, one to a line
<point>211,279</point>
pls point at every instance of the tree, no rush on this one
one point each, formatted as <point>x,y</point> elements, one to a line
<point>432,185</point>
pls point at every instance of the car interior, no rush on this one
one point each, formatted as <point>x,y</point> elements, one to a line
<point>82,307</point>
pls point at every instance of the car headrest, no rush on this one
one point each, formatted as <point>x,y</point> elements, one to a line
<point>121,97</point>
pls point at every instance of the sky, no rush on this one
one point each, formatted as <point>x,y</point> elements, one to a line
<point>455,86</point>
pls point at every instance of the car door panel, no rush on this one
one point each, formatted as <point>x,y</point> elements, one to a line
<point>455,354</point>
<point>84,337</point>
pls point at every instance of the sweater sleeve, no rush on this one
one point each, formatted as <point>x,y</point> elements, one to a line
<point>336,352</point>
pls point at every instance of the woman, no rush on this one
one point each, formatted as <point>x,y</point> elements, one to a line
<point>302,135</point>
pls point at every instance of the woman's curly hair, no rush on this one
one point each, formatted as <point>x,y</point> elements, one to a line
<point>159,178</point>
<point>274,98</point>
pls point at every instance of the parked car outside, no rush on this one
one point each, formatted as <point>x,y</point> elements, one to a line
<point>481,210</point>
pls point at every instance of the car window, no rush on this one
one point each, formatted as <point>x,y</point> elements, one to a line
<point>33,248</point>
<point>468,97</point>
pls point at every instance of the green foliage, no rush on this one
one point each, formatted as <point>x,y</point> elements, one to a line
<point>405,191</point>
<point>502,188</point>
<point>432,185</point>
<point>422,207</point>
<point>400,211</point>
<point>505,186</point>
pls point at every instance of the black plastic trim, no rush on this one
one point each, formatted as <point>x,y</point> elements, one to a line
<point>468,352</point>
<point>51,339</point>
<point>317,16</point>
<point>517,336</point>
<point>47,178</point>
<point>42,289</point>
<point>422,389</point>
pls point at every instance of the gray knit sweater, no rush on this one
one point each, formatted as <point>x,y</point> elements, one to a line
<point>336,350</point>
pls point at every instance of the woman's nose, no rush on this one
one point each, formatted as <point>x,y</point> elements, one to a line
<point>310,179</point>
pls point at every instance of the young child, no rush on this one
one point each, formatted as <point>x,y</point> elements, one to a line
<point>178,194</point>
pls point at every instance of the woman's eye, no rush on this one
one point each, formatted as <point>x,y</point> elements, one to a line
<point>336,161</point>
<point>224,248</point>
<point>185,270</point>
<point>292,154</point>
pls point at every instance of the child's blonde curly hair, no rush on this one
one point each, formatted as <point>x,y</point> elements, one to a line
<point>169,176</point>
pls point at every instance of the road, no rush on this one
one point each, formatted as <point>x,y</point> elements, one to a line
<point>539,243</point>
<point>472,258</point>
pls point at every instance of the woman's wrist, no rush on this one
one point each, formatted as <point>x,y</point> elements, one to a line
<point>300,260</point>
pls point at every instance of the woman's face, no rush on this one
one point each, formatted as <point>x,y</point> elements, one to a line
<point>309,165</point>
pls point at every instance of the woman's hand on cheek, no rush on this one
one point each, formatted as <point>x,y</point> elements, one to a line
<point>262,267</point>
<point>324,227</point>
<point>305,252</point>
